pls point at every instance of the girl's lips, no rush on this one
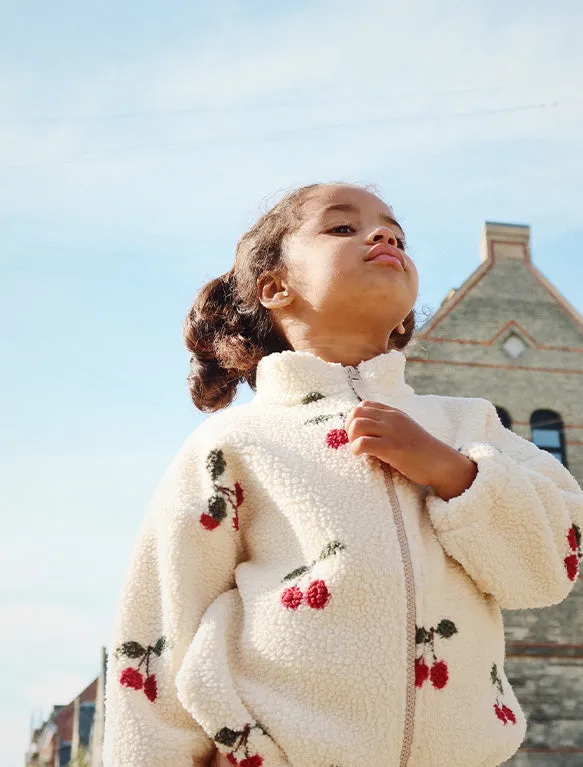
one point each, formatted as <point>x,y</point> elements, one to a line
<point>387,253</point>
<point>388,259</point>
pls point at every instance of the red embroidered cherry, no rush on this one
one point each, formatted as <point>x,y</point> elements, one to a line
<point>150,688</point>
<point>131,677</point>
<point>252,761</point>
<point>500,713</point>
<point>238,494</point>
<point>292,597</point>
<point>232,759</point>
<point>421,672</point>
<point>438,674</point>
<point>509,713</point>
<point>572,565</point>
<point>317,595</point>
<point>336,438</point>
<point>209,522</point>
<point>572,538</point>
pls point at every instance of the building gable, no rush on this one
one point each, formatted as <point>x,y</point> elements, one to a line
<point>506,295</point>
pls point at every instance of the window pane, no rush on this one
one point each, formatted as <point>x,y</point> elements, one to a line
<point>504,417</point>
<point>546,437</point>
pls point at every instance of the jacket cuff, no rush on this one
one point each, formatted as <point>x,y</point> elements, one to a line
<point>474,503</point>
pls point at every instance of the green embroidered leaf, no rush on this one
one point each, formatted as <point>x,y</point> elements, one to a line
<point>296,573</point>
<point>215,463</point>
<point>217,507</point>
<point>331,548</point>
<point>446,628</point>
<point>132,649</point>
<point>494,674</point>
<point>159,646</point>
<point>313,396</point>
<point>421,635</point>
<point>577,530</point>
<point>227,737</point>
<point>319,419</point>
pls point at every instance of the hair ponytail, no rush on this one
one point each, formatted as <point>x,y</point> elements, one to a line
<point>226,343</point>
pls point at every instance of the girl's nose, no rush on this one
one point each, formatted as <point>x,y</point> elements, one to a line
<point>382,234</point>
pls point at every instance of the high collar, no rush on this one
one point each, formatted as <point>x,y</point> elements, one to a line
<point>287,377</point>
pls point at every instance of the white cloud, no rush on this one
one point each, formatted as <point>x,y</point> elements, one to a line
<point>385,77</point>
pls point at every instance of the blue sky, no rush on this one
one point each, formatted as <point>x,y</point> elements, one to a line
<point>137,141</point>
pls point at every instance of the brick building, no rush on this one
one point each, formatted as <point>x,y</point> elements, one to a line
<point>73,733</point>
<point>507,334</point>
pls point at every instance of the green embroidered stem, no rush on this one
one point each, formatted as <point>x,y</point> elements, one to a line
<point>330,549</point>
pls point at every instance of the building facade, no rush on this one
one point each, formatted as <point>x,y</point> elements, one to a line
<point>73,733</point>
<point>508,335</point>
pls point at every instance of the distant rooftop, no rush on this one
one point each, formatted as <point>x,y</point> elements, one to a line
<point>503,223</point>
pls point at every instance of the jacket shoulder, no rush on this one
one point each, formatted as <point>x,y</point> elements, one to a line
<point>223,428</point>
<point>456,408</point>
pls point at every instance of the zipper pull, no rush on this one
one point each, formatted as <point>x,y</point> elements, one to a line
<point>353,375</point>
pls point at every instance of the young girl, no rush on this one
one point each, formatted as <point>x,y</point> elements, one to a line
<point>319,577</point>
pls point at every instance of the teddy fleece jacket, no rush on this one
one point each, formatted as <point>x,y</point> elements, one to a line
<point>296,605</point>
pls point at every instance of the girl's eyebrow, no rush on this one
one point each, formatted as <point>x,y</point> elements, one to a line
<point>349,208</point>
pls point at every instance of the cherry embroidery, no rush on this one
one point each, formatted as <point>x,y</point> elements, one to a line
<point>292,597</point>
<point>132,677</point>
<point>572,560</point>
<point>438,673</point>
<point>217,503</point>
<point>237,739</point>
<point>502,711</point>
<point>317,594</point>
<point>336,438</point>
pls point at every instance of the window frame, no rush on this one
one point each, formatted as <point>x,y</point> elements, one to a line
<point>542,420</point>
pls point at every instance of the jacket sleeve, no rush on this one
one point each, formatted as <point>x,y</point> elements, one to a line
<point>184,559</point>
<point>517,529</point>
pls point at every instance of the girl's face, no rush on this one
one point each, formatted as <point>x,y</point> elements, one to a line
<point>334,283</point>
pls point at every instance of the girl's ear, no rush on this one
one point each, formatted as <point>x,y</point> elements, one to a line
<point>270,290</point>
<point>400,328</point>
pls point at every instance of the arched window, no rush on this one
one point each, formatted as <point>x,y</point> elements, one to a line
<point>547,433</point>
<point>504,416</point>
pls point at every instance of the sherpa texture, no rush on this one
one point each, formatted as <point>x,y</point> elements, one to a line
<point>264,607</point>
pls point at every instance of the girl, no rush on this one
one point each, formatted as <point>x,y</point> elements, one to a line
<point>319,579</point>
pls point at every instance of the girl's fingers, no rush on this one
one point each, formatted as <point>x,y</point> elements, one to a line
<point>371,408</point>
<point>369,427</point>
<point>369,445</point>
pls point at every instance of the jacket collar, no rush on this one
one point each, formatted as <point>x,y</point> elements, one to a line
<point>289,376</point>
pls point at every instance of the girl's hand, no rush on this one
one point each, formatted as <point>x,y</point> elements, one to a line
<point>393,437</point>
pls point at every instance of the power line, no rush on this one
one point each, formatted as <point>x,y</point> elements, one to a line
<point>252,107</point>
<point>287,132</point>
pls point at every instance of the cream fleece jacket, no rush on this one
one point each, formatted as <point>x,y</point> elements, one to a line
<point>297,605</point>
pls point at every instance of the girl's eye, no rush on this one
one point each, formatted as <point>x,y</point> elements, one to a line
<point>342,229</point>
<point>400,243</point>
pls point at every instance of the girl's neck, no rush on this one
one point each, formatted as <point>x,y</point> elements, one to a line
<point>346,351</point>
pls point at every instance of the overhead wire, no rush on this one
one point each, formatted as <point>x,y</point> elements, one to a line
<point>282,134</point>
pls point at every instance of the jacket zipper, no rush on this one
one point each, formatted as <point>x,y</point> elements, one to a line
<point>354,375</point>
